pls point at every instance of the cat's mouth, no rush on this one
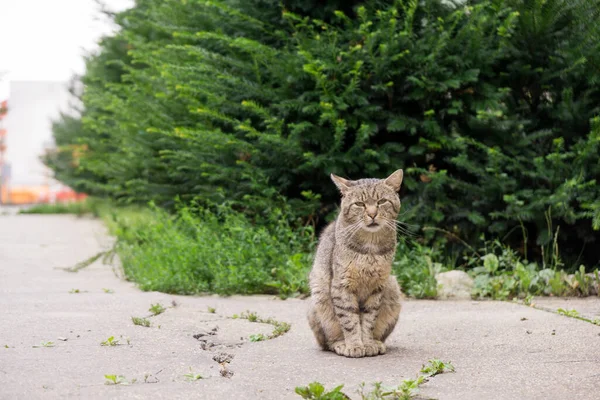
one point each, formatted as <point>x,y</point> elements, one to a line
<point>372,224</point>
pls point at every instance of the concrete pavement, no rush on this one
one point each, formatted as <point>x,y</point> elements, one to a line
<point>500,350</point>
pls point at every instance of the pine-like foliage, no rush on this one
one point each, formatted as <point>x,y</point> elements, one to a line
<point>485,104</point>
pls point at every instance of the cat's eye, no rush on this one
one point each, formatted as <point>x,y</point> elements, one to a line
<point>359,204</point>
<point>382,201</point>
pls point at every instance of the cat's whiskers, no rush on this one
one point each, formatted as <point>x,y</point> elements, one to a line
<point>349,231</point>
<point>398,226</point>
<point>402,223</point>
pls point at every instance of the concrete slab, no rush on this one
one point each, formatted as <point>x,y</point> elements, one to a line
<point>500,350</point>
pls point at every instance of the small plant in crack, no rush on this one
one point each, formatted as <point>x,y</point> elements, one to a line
<point>435,367</point>
<point>250,316</point>
<point>110,291</point>
<point>156,309</point>
<point>45,344</point>
<point>74,291</point>
<point>212,310</point>
<point>280,327</point>
<point>191,376</point>
<point>140,321</point>
<point>575,314</point>
<point>408,389</point>
<point>568,313</point>
<point>111,341</point>
<point>259,337</point>
<point>316,391</point>
<point>115,380</point>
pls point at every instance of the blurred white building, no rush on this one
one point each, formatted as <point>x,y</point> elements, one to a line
<point>32,107</point>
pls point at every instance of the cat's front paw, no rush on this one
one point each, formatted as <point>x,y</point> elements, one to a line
<point>374,348</point>
<point>354,350</point>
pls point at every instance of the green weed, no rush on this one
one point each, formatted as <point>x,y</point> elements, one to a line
<point>316,391</point>
<point>156,309</point>
<point>279,327</point>
<point>435,367</point>
<point>115,380</point>
<point>111,341</point>
<point>501,274</point>
<point>109,291</point>
<point>407,389</point>
<point>140,321</point>
<point>73,291</point>
<point>212,310</point>
<point>191,376</point>
<point>259,337</point>
<point>568,313</point>
<point>575,314</point>
<point>45,344</point>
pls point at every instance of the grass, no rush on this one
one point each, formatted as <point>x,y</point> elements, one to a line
<point>198,250</point>
<point>157,309</point>
<point>220,251</point>
<point>89,206</point>
<point>279,329</point>
<point>407,389</point>
<point>140,321</point>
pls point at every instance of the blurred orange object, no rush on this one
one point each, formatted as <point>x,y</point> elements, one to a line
<point>38,195</point>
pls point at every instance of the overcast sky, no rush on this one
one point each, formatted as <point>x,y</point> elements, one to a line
<point>42,44</point>
<point>45,40</point>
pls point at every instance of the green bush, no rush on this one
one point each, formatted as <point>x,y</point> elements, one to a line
<point>487,105</point>
<point>415,270</point>
<point>218,250</point>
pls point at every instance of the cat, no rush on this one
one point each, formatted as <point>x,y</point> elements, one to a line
<point>355,301</point>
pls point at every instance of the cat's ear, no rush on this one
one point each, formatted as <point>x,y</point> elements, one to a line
<point>395,180</point>
<point>341,183</point>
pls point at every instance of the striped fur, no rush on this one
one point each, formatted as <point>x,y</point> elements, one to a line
<point>355,301</point>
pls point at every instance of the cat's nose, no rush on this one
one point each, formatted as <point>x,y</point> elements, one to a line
<point>372,212</point>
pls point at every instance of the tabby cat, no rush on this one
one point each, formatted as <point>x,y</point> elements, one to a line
<point>355,301</point>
